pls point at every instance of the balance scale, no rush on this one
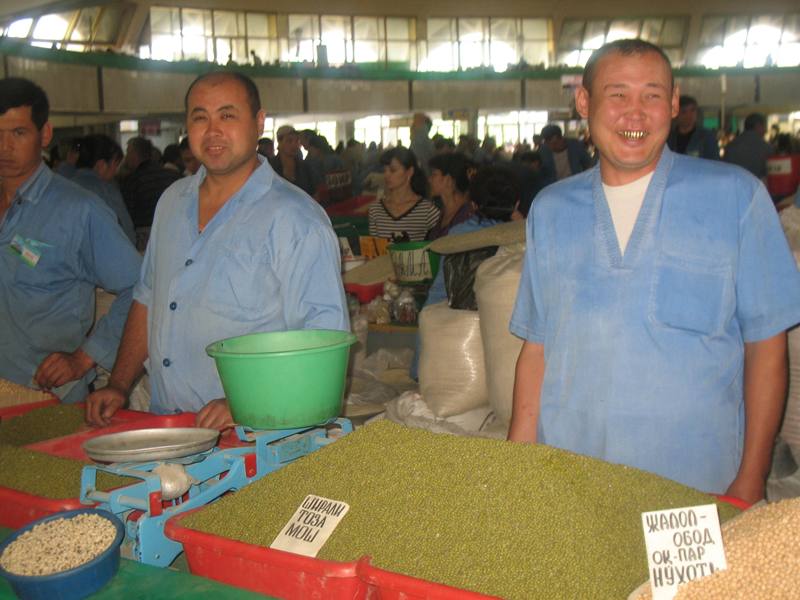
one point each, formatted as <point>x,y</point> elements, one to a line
<point>181,469</point>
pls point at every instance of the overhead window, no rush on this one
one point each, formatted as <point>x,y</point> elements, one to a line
<point>470,42</point>
<point>221,36</point>
<point>579,37</point>
<point>88,28</point>
<point>750,41</point>
<point>303,38</point>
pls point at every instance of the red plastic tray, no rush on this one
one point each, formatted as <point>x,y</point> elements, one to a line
<point>287,575</point>
<point>71,446</point>
<point>19,508</point>
<point>21,409</point>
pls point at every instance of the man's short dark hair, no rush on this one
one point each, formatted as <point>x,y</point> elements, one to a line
<point>685,101</point>
<point>550,131</point>
<point>16,92</point>
<point>253,98</point>
<point>97,146</point>
<point>626,48</point>
<point>172,154</point>
<point>753,120</point>
<point>142,147</point>
<point>495,191</point>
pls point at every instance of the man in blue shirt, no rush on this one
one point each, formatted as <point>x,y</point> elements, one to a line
<point>58,242</point>
<point>655,297</point>
<point>562,157</point>
<point>98,161</point>
<point>233,250</point>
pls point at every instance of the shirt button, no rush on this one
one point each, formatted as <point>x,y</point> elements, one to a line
<point>173,305</point>
<point>166,362</point>
<point>188,261</point>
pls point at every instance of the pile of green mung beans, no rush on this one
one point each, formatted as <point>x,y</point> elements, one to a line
<point>505,519</point>
<point>48,476</point>
<point>42,424</point>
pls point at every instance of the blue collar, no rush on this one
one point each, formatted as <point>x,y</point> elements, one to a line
<point>33,187</point>
<point>606,243</point>
<point>261,179</point>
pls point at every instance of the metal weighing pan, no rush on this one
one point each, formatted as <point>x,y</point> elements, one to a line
<point>143,445</point>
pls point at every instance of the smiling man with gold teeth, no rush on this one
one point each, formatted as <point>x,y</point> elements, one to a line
<point>655,297</point>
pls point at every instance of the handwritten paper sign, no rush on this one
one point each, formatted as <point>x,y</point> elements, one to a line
<point>683,544</point>
<point>311,525</point>
<point>412,265</point>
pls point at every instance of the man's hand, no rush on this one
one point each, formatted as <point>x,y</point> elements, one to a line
<point>215,415</point>
<point>62,367</point>
<point>751,489</point>
<point>102,404</point>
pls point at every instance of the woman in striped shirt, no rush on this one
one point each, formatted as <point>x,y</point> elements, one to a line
<point>403,214</point>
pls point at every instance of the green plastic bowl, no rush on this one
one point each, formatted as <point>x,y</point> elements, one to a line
<point>283,379</point>
<point>413,262</point>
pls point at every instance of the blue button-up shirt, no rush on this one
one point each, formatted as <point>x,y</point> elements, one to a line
<point>49,307</point>
<point>110,194</point>
<point>644,352</point>
<point>267,261</point>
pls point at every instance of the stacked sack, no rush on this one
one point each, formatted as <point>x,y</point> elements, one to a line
<point>784,478</point>
<point>452,374</point>
<point>496,286</point>
<point>790,430</point>
<point>468,358</point>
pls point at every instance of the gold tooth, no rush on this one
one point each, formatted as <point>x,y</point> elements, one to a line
<point>633,135</point>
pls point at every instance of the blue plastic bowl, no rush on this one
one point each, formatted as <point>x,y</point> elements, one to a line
<point>75,583</point>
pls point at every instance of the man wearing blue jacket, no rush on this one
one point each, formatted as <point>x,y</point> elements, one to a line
<point>58,242</point>
<point>689,138</point>
<point>562,157</point>
<point>234,249</point>
<point>655,297</point>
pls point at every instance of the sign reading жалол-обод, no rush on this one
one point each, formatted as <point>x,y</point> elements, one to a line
<point>683,544</point>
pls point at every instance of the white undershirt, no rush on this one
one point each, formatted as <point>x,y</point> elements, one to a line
<point>624,202</point>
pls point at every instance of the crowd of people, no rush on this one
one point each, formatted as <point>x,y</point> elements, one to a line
<point>655,296</point>
<point>412,206</point>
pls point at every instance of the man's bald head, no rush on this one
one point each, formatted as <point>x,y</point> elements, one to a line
<point>215,77</point>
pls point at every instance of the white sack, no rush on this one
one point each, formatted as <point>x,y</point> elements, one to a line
<point>790,431</point>
<point>452,375</point>
<point>496,283</point>
<point>410,409</point>
<point>790,220</point>
<point>791,420</point>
